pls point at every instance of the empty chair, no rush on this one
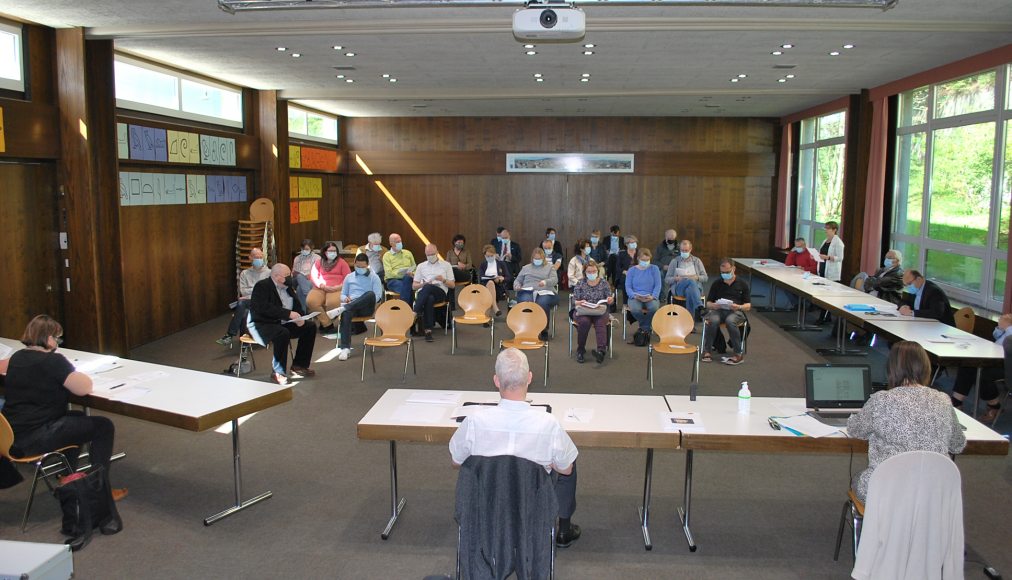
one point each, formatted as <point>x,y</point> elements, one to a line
<point>965,318</point>
<point>394,318</point>
<point>476,301</point>
<point>527,320</point>
<point>672,323</point>
<point>44,468</point>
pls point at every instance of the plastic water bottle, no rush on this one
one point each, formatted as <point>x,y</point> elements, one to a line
<point>744,399</point>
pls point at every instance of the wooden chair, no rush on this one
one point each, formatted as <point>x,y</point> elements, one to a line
<point>672,324</point>
<point>527,320</point>
<point>394,318</point>
<point>965,317</point>
<point>43,470</point>
<point>476,301</point>
<point>855,509</point>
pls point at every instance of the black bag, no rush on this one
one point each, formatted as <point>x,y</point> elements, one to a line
<point>641,338</point>
<point>87,505</point>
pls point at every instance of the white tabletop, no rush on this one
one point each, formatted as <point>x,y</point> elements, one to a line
<point>942,340</point>
<point>178,397</point>
<point>608,420</point>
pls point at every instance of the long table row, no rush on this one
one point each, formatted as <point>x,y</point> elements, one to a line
<point>628,422</point>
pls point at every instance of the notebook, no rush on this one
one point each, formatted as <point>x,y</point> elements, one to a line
<point>833,392</point>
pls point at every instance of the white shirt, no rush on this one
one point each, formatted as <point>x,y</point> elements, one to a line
<point>514,428</point>
<point>426,273</point>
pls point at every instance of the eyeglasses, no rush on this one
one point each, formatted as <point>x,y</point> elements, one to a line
<point>58,339</point>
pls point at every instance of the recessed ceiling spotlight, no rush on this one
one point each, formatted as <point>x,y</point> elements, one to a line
<point>588,52</point>
<point>528,46</point>
<point>786,46</point>
<point>540,80</point>
<point>349,54</point>
<point>848,46</point>
<point>338,47</point>
<point>781,80</point>
<point>589,45</point>
<point>531,53</point>
<point>386,76</point>
<point>538,75</point>
<point>584,80</point>
<point>349,80</point>
<point>585,75</point>
<point>393,80</point>
<point>282,48</point>
<point>340,76</point>
<point>777,52</point>
<point>834,53</point>
<point>734,80</point>
<point>741,76</point>
<point>296,55</point>
<point>789,76</point>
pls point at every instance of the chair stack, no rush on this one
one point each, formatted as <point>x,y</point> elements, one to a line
<point>253,234</point>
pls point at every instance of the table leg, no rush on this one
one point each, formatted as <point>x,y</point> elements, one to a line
<point>644,510</point>
<point>841,343</point>
<point>802,315</point>
<point>396,504</point>
<point>237,474</point>
<point>976,390</point>
<point>683,511</point>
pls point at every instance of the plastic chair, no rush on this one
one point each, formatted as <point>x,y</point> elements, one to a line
<point>42,470</point>
<point>476,301</point>
<point>527,320</point>
<point>672,323</point>
<point>394,318</point>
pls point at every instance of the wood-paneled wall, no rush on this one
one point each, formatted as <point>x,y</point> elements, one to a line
<point>710,179</point>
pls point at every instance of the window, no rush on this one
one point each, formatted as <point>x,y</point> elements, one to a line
<point>953,184</point>
<point>306,124</point>
<point>12,73</point>
<point>820,174</point>
<point>142,86</point>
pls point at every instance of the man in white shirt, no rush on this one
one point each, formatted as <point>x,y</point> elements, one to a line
<point>433,279</point>
<point>515,428</point>
<point>247,279</point>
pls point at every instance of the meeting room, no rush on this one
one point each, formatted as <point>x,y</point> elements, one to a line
<point>433,289</point>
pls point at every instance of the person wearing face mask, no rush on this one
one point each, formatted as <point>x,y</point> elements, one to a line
<point>272,305</point>
<point>966,377</point>
<point>557,248</point>
<point>597,250</point>
<point>257,271</point>
<point>374,250</point>
<point>398,267</point>
<point>801,257</point>
<point>38,382</point>
<point>433,280</point>
<point>538,282</point>
<point>302,269</point>
<point>581,255</point>
<point>614,247</point>
<point>328,278</point>
<point>726,302</point>
<point>554,258</point>
<point>831,254</point>
<point>925,299</point>
<point>460,260</point>
<point>643,290</point>
<point>623,261</point>
<point>686,276</point>
<point>887,282</point>
<point>494,274</point>
<point>509,252</point>
<point>587,297</point>
<point>359,296</point>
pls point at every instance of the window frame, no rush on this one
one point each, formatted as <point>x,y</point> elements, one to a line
<point>178,112</point>
<point>806,227</point>
<point>306,136</point>
<point>17,85</point>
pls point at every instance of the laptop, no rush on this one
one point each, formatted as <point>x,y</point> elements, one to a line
<point>834,392</point>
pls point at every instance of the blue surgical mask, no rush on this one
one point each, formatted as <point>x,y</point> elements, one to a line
<point>592,276</point>
<point>888,262</point>
<point>258,262</point>
<point>551,237</point>
<point>799,250</point>
<point>911,288</point>
<point>538,262</point>
<point>594,239</point>
<point>726,275</point>
<point>684,255</point>
<point>361,271</point>
<point>632,245</point>
<point>490,259</point>
<point>331,255</point>
<point>399,246</point>
<point>377,248</point>
<point>587,250</point>
<point>498,239</point>
<point>306,252</point>
<point>644,263</point>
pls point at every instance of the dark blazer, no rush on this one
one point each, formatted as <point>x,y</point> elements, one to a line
<point>515,257</point>
<point>267,311</point>
<point>501,270</point>
<point>607,243</point>
<point>934,304</point>
<point>506,508</point>
<point>888,282</point>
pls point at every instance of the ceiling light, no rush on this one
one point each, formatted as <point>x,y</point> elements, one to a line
<point>589,45</point>
<point>282,48</point>
<point>789,76</point>
<point>531,53</point>
<point>777,52</point>
<point>848,46</point>
<point>393,80</point>
<point>588,52</point>
<point>349,54</point>
<point>540,80</point>
<point>386,76</point>
<point>528,46</point>
<point>585,75</point>
<point>340,76</point>
<point>349,80</point>
<point>781,80</point>
<point>734,80</point>
<point>786,46</point>
<point>538,75</point>
<point>835,53</point>
<point>296,55</point>
<point>338,47</point>
<point>584,80</point>
<point>741,76</point>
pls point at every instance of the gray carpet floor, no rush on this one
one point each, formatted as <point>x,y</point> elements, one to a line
<point>754,516</point>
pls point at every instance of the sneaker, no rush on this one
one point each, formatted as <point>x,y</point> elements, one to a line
<point>343,355</point>
<point>279,379</point>
<point>566,539</point>
<point>304,372</point>
<point>335,313</point>
<point>225,340</point>
<point>599,356</point>
<point>734,360</point>
<point>707,357</point>
<point>990,415</point>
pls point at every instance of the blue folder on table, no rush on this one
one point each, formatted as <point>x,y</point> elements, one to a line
<point>859,307</point>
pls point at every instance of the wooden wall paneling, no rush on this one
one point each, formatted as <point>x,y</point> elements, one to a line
<point>858,152</point>
<point>40,67</point>
<point>28,233</point>
<point>32,130</point>
<point>247,147</point>
<point>428,162</point>
<point>268,127</point>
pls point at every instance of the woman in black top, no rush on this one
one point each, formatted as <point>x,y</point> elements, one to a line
<point>38,385</point>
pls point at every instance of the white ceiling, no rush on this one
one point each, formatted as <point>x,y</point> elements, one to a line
<point>464,61</point>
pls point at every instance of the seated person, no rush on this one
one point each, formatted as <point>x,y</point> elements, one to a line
<point>802,257</point>
<point>552,235</point>
<point>581,256</point>
<point>643,290</point>
<point>38,382</point>
<point>666,251</point>
<point>433,280</point>
<point>613,247</point>
<point>925,299</point>
<point>686,276</point>
<point>966,377</point>
<point>515,428</point>
<point>361,292</point>
<point>509,252</point>
<point>909,416</point>
<point>302,270</point>
<point>399,265</point>
<point>460,260</point>
<point>554,258</point>
<point>247,279</point>
<point>887,282</point>
<point>328,278</point>
<point>622,261</point>
<point>373,249</point>
<point>587,294</point>
<point>494,274</point>
<point>537,282</point>
<point>274,302</point>
<point>727,302</point>
<point>597,250</point>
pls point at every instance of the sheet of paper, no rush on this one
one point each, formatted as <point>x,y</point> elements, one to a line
<point>129,394</point>
<point>305,317</point>
<point>99,365</point>
<point>294,156</point>
<point>684,272</point>
<point>544,293</point>
<point>434,398</point>
<point>579,415</point>
<point>5,351</point>
<point>466,411</point>
<point>808,426</point>
<point>149,376</point>
<point>419,414</point>
<point>122,141</point>
<point>687,421</point>
<point>787,410</point>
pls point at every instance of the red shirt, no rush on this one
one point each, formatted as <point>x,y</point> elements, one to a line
<point>804,260</point>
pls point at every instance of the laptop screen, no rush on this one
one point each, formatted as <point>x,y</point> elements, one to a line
<point>837,386</point>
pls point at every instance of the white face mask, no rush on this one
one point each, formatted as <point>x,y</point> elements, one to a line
<point>331,255</point>
<point>432,259</point>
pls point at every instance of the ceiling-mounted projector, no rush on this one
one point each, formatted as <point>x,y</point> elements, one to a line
<point>549,22</point>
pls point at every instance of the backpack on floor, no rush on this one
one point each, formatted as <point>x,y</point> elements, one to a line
<point>641,338</point>
<point>87,504</point>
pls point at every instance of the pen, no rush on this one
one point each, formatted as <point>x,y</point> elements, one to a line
<point>117,386</point>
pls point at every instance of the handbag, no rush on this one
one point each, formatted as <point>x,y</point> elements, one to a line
<point>87,505</point>
<point>591,311</point>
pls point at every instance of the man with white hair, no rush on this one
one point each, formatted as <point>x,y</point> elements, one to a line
<point>887,281</point>
<point>433,280</point>
<point>374,251</point>
<point>273,304</point>
<point>515,428</point>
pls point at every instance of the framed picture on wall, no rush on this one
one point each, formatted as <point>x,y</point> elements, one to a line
<point>569,162</point>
